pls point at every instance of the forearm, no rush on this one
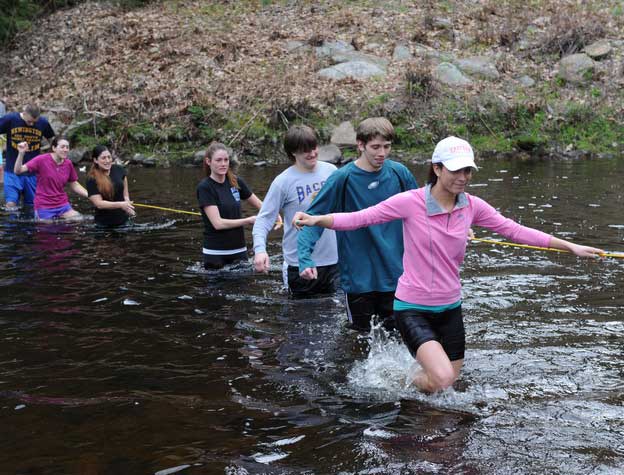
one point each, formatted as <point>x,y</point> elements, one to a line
<point>19,167</point>
<point>325,220</point>
<point>259,233</point>
<point>254,201</point>
<point>306,240</point>
<point>221,223</point>
<point>126,193</point>
<point>262,227</point>
<point>78,189</point>
<point>104,204</point>
<point>562,244</point>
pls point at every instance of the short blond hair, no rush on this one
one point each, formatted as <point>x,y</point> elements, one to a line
<point>375,127</point>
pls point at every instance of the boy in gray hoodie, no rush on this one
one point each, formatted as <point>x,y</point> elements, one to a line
<point>291,191</point>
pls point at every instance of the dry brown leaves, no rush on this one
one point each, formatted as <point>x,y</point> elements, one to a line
<point>155,62</point>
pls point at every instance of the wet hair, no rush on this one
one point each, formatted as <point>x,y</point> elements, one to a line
<point>102,180</point>
<point>210,151</point>
<point>374,127</point>
<point>299,138</point>
<point>32,110</point>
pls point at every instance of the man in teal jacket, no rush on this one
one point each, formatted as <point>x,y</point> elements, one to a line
<point>370,259</point>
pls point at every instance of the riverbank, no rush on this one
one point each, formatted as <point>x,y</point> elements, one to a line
<point>164,80</point>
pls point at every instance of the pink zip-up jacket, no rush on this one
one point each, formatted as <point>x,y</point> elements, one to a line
<point>435,240</point>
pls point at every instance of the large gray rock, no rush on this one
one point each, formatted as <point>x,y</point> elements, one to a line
<point>464,40</point>
<point>294,46</point>
<point>526,81</point>
<point>353,69</point>
<point>78,154</point>
<point>149,162</point>
<point>347,56</point>
<point>432,55</point>
<point>138,159</point>
<point>450,75</point>
<point>59,117</point>
<point>576,68</point>
<point>198,157</point>
<point>344,135</point>
<point>401,53</point>
<point>342,52</point>
<point>442,23</point>
<point>330,154</point>
<point>483,66</point>
<point>332,47</point>
<point>598,50</point>
<point>71,129</point>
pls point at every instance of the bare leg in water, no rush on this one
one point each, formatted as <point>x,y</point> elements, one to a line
<point>437,371</point>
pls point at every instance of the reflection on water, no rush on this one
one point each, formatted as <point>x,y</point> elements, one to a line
<point>120,354</point>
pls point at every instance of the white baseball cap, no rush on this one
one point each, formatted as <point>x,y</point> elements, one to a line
<point>454,153</point>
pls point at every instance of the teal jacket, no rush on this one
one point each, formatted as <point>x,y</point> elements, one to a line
<point>370,259</point>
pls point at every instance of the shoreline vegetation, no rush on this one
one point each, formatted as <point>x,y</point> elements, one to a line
<point>161,79</point>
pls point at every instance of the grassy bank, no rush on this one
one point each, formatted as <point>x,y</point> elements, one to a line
<point>491,125</point>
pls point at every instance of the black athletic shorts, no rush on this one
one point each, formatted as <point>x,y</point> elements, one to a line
<point>362,307</point>
<point>326,282</point>
<point>214,261</point>
<point>447,328</point>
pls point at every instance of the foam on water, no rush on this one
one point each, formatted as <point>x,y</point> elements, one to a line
<point>383,372</point>
<point>268,458</point>
<point>386,373</point>
<point>171,470</point>
<point>289,441</point>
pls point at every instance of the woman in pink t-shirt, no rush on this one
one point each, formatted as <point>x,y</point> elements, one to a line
<point>54,171</point>
<point>436,221</point>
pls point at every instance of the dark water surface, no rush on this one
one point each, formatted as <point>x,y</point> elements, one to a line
<point>119,355</point>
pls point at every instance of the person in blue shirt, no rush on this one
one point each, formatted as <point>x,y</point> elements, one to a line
<point>370,259</point>
<point>30,127</point>
<point>2,112</point>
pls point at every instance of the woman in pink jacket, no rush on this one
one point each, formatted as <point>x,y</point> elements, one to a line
<point>436,220</point>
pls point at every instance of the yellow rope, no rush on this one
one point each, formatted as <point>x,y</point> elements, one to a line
<point>526,246</point>
<point>194,213</point>
<point>488,241</point>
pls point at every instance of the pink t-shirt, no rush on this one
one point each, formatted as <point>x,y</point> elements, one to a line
<point>435,241</point>
<point>51,180</point>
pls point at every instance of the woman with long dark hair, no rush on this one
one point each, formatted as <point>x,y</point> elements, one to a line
<point>107,185</point>
<point>436,220</point>
<point>54,170</point>
<point>220,194</point>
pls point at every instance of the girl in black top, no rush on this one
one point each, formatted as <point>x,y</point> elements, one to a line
<point>219,196</point>
<point>107,185</point>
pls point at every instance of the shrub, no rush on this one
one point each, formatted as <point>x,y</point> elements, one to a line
<point>569,33</point>
<point>419,83</point>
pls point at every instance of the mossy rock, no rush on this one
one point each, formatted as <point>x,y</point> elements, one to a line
<point>530,143</point>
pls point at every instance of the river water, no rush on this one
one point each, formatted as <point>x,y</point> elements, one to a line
<point>119,355</point>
